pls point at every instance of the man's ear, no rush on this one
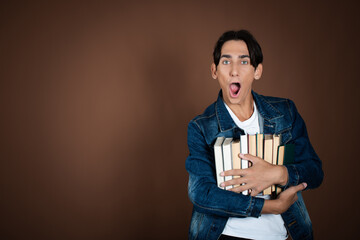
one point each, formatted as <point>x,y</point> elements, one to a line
<point>258,72</point>
<point>213,71</point>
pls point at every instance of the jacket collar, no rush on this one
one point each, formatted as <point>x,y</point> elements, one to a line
<point>266,110</point>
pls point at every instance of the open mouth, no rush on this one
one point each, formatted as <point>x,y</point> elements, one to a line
<point>234,89</point>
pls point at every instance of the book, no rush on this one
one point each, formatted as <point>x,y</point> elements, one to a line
<point>219,165</point>
<point>280,161</point>
<point>286,154</point>
<point>227,158</point>
<point>276,143</point>
<point>236,161</point>
<point>244,150</point>
<point>289,154</point>
<point>268,155</point>
<point>260,145</point>
<point>252,146</point>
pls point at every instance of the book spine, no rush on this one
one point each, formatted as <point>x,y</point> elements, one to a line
<point>235,157</point>
<point>279,161</point>
<point>268,149</point>
<point>276,143</point>
<point>219,165</point>
<point>227,159</point>
<point>244,150</point>
<point>260,145</point>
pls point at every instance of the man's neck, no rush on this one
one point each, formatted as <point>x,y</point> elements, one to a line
<point>243,111</point>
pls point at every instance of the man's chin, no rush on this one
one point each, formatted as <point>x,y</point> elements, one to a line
<point>232,101</point>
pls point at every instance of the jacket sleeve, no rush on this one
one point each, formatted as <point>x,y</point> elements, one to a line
<point>307,166</point>
<point>203,191</point>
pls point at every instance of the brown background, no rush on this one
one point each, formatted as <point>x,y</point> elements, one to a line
<point>96,98</point>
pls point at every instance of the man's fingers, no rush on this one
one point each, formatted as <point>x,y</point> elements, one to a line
<point>236,189</point>
<point>233,172</point>
<point>298,188</point>
<point>239,188</point>
<point>254,192</point>
<point>249,157</point>
<point>235,181</point>
<point>246,156</point>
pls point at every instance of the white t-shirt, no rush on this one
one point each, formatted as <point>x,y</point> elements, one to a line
<point>267,226</point>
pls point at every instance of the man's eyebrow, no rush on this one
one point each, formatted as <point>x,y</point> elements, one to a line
<point>225,56</point>
<point>229,56</point>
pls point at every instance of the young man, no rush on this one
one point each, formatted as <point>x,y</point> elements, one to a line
<point>228,214</point>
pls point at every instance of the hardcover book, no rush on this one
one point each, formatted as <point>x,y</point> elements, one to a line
<point>260,145</point>
<point>236,161</point>
<point>268,155</point>
<point>276,143</point>
<point>286,154</point>
<point>227,158</point>
<point>252,146</point>
<point>244,150</point>
<point>219,165</point>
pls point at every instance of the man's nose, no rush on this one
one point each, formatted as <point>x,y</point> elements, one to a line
<point>234,72</point>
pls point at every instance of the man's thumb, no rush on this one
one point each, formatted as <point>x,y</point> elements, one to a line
<point>301,186</point>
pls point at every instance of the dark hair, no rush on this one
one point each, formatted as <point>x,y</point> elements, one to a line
<point>253,46</point>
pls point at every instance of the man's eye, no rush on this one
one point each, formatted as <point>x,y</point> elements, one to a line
<point>226,62</point>
<point>244,62</point>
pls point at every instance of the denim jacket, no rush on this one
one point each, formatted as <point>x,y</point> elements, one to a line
<point>213,206</point>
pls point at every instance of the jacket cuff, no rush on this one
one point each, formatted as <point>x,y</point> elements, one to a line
<point>293,178</point>
<point>256,205</point>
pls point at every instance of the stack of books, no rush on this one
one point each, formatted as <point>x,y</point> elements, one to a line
<point>265,146</point>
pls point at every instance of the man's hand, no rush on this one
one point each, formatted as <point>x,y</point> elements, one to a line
<point>283,201</point>
<point>258,177</point>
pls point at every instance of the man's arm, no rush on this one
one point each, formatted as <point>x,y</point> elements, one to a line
<point>283,201</point>
<point>203,191</point>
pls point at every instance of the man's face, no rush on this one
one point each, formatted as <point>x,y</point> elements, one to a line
<point>235,74</point>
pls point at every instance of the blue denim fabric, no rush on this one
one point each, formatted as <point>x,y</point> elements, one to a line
<point>212,205</point>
